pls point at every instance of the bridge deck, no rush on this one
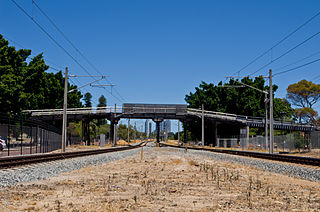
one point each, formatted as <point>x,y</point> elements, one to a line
<point>164,111</point>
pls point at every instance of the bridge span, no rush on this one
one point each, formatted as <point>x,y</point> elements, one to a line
<point>159,112</point>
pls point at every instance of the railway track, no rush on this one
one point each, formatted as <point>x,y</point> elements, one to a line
<point>8,162</point>
<point>275,157</point>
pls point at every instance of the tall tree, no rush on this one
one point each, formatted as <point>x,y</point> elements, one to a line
<point>237,100</point>
<point>102,101</point>
<point>26,85</point>
<point>87,99</point>
<point>304,95</point>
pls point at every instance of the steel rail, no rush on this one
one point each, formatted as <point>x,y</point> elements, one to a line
<point>12,161</point>
<point>275,157</point>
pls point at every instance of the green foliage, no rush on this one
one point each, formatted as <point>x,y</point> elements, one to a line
<point>240,100</point>
<point>303,94</point>
<point>26,85</point>
<point>102,101</point>
<point>306,115</point>
<point>87,99</point>
<point>237,100</point>
<point>122,132</point>
<point>282,109</point>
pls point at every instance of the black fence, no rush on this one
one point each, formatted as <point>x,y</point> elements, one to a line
<point>24,136</point>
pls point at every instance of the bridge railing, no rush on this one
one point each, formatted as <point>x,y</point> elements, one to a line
<point>87,110</point>
<point>247,119</point>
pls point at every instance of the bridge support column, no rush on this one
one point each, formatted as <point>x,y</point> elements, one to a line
<point>86,131</point>
<point>111,133</point>
<point>215,135</point>
<point>244,137</point>
<point>158,121</point>
<point>184,132</point>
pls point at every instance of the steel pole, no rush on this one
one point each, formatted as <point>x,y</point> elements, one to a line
<point>202,128</point>
<point>266,119</point>
<point>64,119</point>
<point>271,112</point>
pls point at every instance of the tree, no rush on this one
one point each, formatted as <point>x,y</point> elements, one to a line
<point>102,101</point>
<point>304,95</point>
<point>26,85</point>
<point>240,100</point>
<point>87,99</point>
<point>306,115</point>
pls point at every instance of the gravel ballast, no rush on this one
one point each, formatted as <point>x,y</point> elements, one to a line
<point>276,167</point>
<point>43,171</point>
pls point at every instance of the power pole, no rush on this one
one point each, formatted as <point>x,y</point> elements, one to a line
<point>266,100</point>
<point>271,112</point>
<point>202,128</point>
<point>64,118</point>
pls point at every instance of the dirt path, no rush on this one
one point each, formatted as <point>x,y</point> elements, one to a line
<point>164,180</point>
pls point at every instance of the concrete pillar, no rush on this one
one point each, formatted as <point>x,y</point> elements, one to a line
<point>111,133</point>
<point>158,121</point>
<point>215,135</point>
<point>184,132</point>
<point>244,137</point>
<point>158,132</point>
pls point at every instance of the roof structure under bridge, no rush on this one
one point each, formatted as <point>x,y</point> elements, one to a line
<point>163,111</point>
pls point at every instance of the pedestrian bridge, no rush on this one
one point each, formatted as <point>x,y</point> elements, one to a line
<point>159,112</point>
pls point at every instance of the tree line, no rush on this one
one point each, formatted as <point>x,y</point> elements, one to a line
<point>231,97</point>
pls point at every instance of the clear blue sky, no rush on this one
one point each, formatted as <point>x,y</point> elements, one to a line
<point>158,51</point>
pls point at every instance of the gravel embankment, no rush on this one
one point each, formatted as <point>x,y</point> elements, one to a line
<point>42,171</point>
<point>277,167</point>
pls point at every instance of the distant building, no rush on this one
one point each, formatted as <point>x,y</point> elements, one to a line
<point>165,126</point>
<point>147,127</point>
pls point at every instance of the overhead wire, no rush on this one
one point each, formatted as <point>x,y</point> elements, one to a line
<point>33,54</point>
<point>287,52</point>
<point>73,45</point>
<point>279,42</point>
<point>57,43</point>
<point>297,67</point>
<point>298,61</point>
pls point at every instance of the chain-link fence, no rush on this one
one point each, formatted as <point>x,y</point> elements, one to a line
<point>283,143</point>
<point>315,140</point>
<point>27,137</point>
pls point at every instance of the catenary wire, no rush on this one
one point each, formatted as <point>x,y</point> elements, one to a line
<point>298,61</point>
<point>56,42</point>
<point>297,67</point>
<point>287,52</point>
<point>72,44</point>
<point>57,67</point>
<point>279,42</point>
